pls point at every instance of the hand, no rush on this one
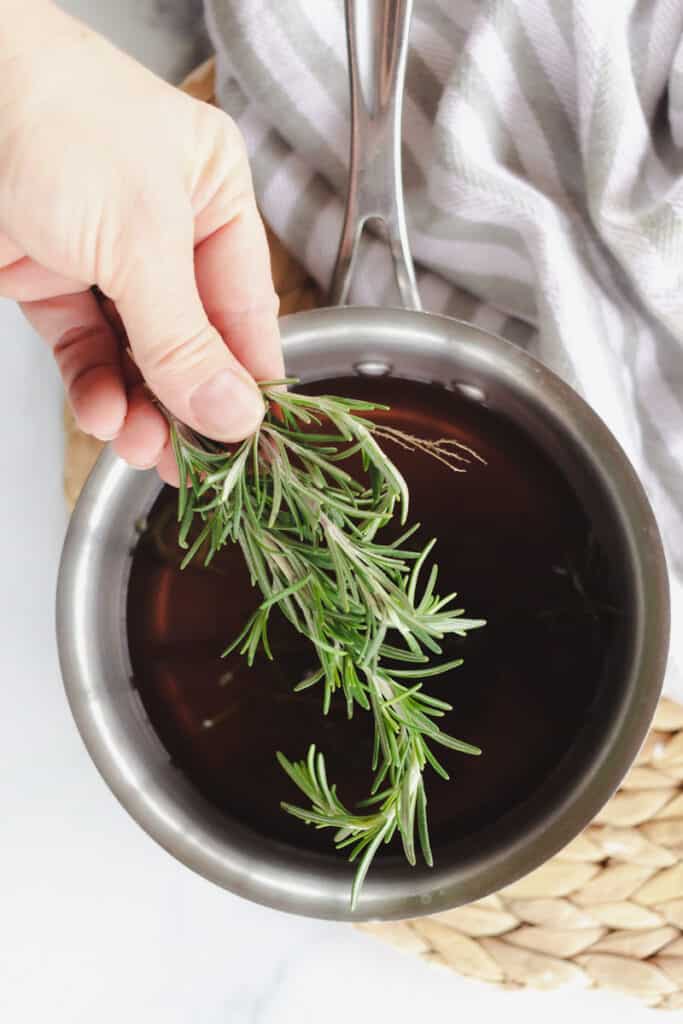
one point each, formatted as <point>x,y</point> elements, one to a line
<point>109,176</point>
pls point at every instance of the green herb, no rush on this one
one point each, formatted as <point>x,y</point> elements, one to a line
<point>308,530</point>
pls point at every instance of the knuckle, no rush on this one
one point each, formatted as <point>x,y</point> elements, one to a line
<point>226,133</point>
<point>146,220</point>
<point>73,351</point>
<point>178,358</point>
<point>261,310</point>
<point>223,174</point>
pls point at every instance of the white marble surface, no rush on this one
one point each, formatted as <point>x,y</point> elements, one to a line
<point>97,923</point>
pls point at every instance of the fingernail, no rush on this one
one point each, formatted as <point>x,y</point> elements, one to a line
<point>145,465</point>
<point>227,407</point>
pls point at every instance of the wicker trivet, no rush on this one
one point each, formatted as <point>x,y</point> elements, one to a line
<point>608,910</point>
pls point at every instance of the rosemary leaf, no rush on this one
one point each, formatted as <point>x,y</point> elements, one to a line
<point>307,527</point>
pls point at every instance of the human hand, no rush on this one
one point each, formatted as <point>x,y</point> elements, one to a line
<point>109,176</point>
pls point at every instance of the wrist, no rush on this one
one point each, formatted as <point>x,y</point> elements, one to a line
<point>26,25</point>
<point>18,16</point>
<point>33,36</point>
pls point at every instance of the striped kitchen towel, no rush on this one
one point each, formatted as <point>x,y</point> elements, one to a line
<point>543,164</point>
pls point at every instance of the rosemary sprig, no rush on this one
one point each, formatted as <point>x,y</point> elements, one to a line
<point>308,528</point>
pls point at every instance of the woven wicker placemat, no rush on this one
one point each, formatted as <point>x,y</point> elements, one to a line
<point>608,910</point>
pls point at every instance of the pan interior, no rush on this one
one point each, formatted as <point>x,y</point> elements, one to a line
<point>524,542</point>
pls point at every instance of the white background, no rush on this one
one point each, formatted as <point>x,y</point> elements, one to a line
<point>97,923</point>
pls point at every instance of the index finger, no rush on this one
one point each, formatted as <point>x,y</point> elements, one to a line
<point>235,283</point>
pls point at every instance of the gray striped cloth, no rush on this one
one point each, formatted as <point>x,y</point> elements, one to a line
<point>543,163</point>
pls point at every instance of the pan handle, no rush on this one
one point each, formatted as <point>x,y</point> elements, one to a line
<point>377,38</point>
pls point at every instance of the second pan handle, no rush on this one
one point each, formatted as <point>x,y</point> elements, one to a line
<point>377,37</point>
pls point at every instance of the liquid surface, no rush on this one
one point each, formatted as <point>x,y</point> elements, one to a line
<point>515,544</point>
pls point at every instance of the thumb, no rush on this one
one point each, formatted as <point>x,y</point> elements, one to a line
<point>182,357</point>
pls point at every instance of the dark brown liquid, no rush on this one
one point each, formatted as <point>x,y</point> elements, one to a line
<point>516,545</point>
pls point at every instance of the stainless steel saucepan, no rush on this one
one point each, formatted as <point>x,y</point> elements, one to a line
<point>91,600</point>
